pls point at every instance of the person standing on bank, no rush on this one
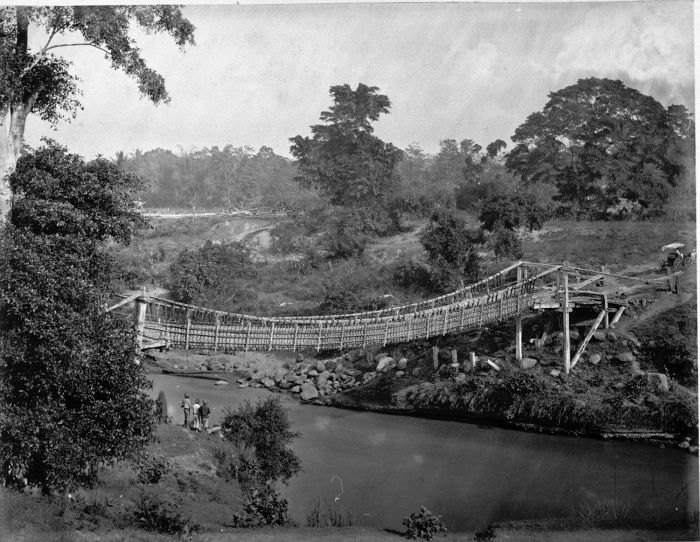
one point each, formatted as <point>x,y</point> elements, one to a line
<point>195,415</point>
<point>186,406</point>
<point>204,412</point>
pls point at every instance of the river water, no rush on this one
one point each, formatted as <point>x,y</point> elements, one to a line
<point>471,475</point>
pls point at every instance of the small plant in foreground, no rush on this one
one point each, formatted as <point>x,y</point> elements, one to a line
<point>264,507</point>
<point>328,514</point>
<point>155,514</point>
<point>423,525</point>
<point>152,469</point>
<point>602,510</point>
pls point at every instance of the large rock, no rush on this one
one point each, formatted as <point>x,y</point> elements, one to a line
<point>385,364</point>
<point>268,382</point>
<point>555,373</point>
<point>528,363</point>
<point>657,382</point>
<point>308,392</point>
<point>313,373</point>
<point>573,335</point>
<point>461,377</point>
<point>399,374</point>
<point>339,369</point>
<point>380,355</point>
<point>296,389</point>
<point>322,379</point>
<point>418,371</point>
<point>221,383</point>
<point>401,366</point>
<point>320,366</point>
<point>594,358</point>
<point>599,335</point>
<point>625,357</point>
<point>331,364</point>
<point>258,376</point>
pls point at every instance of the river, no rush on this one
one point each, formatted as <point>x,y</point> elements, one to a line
<point>471,475</point>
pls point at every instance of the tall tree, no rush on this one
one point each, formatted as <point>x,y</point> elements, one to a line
<point>71,396</point>
<point>600,142</point>
<point>350,165</point>
<point>39,82</point>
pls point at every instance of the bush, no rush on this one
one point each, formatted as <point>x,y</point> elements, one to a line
<point>354,288</point>
<point>153,513</point>
<point>71,396</point>
<point>265,429</point>
<point>211,273</point>
<point>507,244</point>
<point>411,274</point>
<point>423,525</point>
<point>328,514</point>
<point>152,469</point>
<point>512,211</point>
<point>262,508</point>
<point>452,249</point>
<point>345,243</point>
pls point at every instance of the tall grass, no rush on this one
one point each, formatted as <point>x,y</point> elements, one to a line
<point>602,510</point>
<point>328,514</point>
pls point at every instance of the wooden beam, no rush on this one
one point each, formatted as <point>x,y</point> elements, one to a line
<point>140,317</point>
<point>519,320</point>
<point>586,282</point>
<point>606,318</point>
<point>123,302</point>
<point>492,364</point>
<point>567,339</point>
<point>589,335</point>
<point>617,316</point>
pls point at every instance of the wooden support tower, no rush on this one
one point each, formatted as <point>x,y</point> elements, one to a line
<point>519,320</point>
<point>140,317</point>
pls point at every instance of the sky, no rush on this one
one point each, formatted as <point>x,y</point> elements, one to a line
<point>260,74</point>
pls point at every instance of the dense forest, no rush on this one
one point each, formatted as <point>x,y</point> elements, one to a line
<point>597,150</point>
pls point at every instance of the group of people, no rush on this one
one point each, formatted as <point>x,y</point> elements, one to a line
<point>196,414</point>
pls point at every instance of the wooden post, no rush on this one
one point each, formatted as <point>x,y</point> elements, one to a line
<point>444,322</point>
<point>216,333</point>
<point>454,357</point>
<point>140,316</point>
<point>617,316</point>
<point>296,336</point>
<point>386,330</point>
<point>247,337</point>
<point>342,334</point>
<point>605,308</point>
<point>461,316</point>
<point>187,330</point>
<point>472,359</point>
<point>272,337</point>
<point>435,357</point>
<point>590,333</point>
<point>519,321</point>
<point>567,339</point>
<point>320,330</point>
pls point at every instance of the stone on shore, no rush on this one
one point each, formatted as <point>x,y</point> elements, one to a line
<point>320,366</point>
<point>221,383</point>
<point>267,382</point>
<point>528,363</point>
<point>308,392</point>
<point>296,389</point>
<point>594,359</point>
<point>402,364</point>
<point>385,364</point>
<point>625,357</point>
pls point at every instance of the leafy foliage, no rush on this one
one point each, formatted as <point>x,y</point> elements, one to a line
<point>328,514</point>
<point>264,428</point>
<point>511,212</point>
<point>452,249</point>
<point>423,525</point>
<point>507,244</point>
<point>71,395</point>
<point>262,508</point>
<point>602,144</point>
<point>354,288</point>
<point>350,165</point>
<point>154,513</point>
<point>210,275</point>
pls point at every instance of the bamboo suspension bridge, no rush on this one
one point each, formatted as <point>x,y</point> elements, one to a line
<point>519,289</point>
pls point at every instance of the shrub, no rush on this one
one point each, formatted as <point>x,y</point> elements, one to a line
<point>265,429</point>
<point>264,507</point>
<point>452,249</point>
<point>602,510</point>
<point>411,274</point>
<point>423,525</point>
<point>210,273</point>
<point>345,243</point>
<point>71,396</point>
<point>507,244</point>
<point>153,513</point>
<point>328,514</point>
<point>354,288</point>
<point>152,469</point>
<point>511,211</point>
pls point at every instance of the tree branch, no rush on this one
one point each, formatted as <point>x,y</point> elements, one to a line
<point>77,45</point>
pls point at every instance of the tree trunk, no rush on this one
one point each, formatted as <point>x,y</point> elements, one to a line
<point>12,125</point>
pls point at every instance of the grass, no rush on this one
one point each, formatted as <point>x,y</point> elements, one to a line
<point>328,514</point>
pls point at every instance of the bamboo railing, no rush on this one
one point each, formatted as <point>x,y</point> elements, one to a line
<point>494,299</point>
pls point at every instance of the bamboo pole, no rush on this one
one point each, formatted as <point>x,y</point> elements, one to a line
<point>435,357</point>
<point>187,330</point>
<point>567,338</point>
<point>296,336</point>
<point>272,337</point>
<point>589,335</point>
<point>216,333</point>
<point>617,316</point>
<point>140,317</point>
<point>605,308</point>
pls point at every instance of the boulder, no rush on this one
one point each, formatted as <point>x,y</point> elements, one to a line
<point>313,373</point>
<point>267,382</point>
<point>320,366</point>
<point>243,385</point>
<point>284,385</point>
<point>381,355</point>
<point>221,383</point>
<point>461,377</point>
<point>401,366</point>
<point>573,335</point>
<point>322,379</point>
<point>308,392</point>
<point>658,382</point>
<point>296,389</point>
<point>555,373</point>
<point>528,363</point>
<point>612,336</point>
<point>684,445</point>
<point>599,335</point>
<point>331,364</point>
<point>625,357</point>
<point>339,369</point>
<point>400,373</point>
<point>258,376</point>
<point>594,358</point>
<point>385,364</point>
<point>418,371</point>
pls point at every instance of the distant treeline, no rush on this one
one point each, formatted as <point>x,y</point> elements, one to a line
<point>597,150</point>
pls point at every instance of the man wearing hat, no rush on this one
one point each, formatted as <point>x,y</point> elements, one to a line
<point>204,412</point>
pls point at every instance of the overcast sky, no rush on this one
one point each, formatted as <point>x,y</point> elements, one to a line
<point>259,75</point>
